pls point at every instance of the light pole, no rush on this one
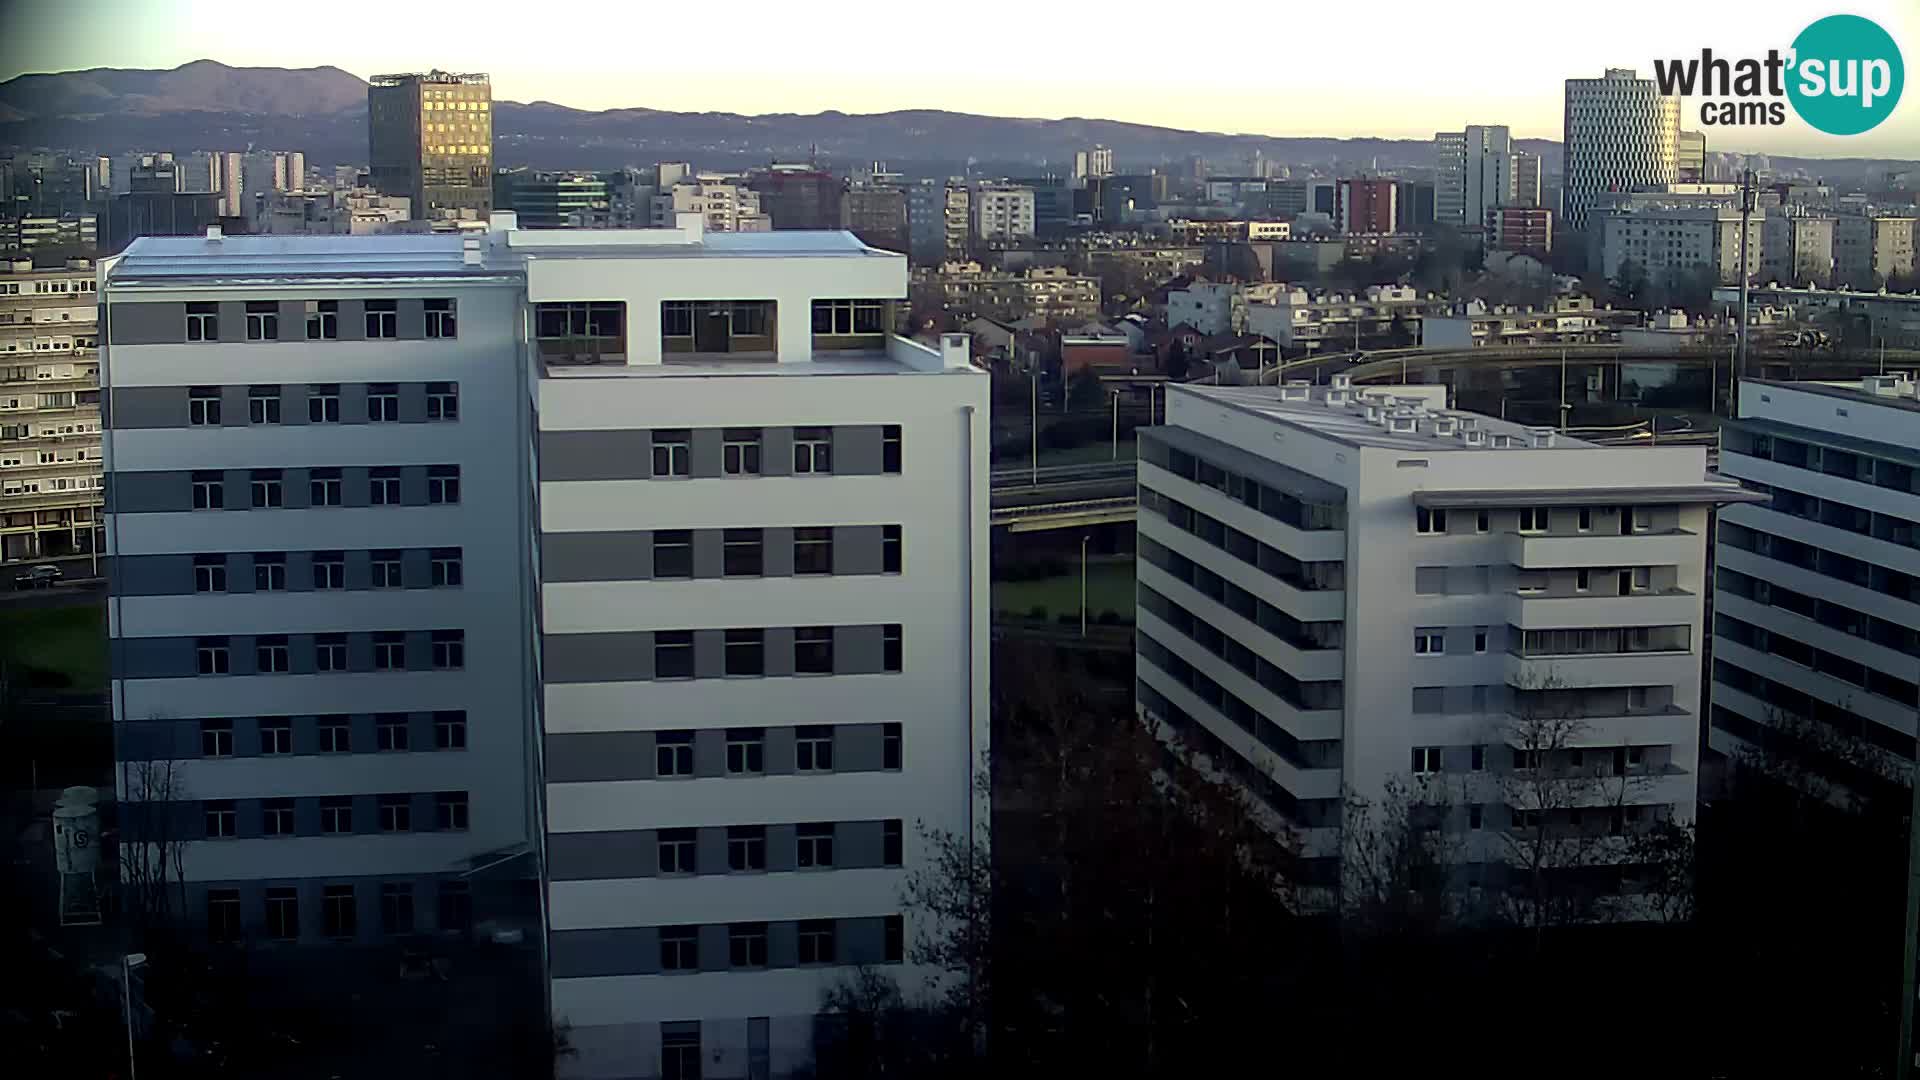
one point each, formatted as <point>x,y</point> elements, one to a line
<point>1083,584</point>
<point>1033,422</point>
<point>127,964</point>
<point>1116,425</point>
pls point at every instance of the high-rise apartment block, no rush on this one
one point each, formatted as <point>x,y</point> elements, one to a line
<point>644,564</point>
<point>1525,229</point>
<point>1816,601</point>
<point>430,138</point>
<point>1870,248</point>
<point>723,201</point>
<point>1095,162</point>
<point>1674,236</point>
<point>50,465</point>
<point>1477,170</point>
<point>1621,134</point>
<point>957,219</point>
<point>1344,588</point>
<point>1690,158</point>
<point>1365,206</point>
<point>1002,213</point>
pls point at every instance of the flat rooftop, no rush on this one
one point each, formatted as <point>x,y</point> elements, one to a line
<point>1307,408</point>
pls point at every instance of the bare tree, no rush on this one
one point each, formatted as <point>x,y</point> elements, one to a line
<point>152,842</point>
<point>1401,865</point>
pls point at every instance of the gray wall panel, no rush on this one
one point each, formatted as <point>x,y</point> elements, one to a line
<point>233,403</point>
<point>590,953</point>
<point>156,658</point>
<point>596,455</point>
<point>600,856</point>
<point>413,400</point>
<point>152,492</point>
<point>777,551</point>
<point>710,752</point>
<point>779,650</point>
<point>709,553</point>
<point>147,324</point>
<point>779,753</point>
<point>857,650</point>
<point>860,941</point>
<point>856,549</point>
<point>412,326</point>
<point>781,848</point>
<point>709,654</point>
<point>149,407</point>
<point>598,657</point>
<point>588,756</point>
<point>152,575</point>
<point>704,453</point>
<point>233,320</point>
<point>856,449</point>
<point>857,845</point>
<point>599,556</point>
<point>776,451</point>
<point>353,320</point>
<point>856,747</point>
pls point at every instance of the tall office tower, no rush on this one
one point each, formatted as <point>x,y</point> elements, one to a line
<point>1092,164</point>
<point>233,182</point>
<point>1815,607</point>
<point>1621,134</point>
<point>200,172</point>
<point>731,575</point>
<point>1002,213</point>
<point>50,432</point>
<point>1526,180</point>
<point>669,173</point>
<point>1477,170</point>
<point>1690,157</point>
<point>296,171</point>
<point>280,172</point>
<point>102,177</point>
<point>430,138</point>
<point>1346,587</point>
<point>799,196</point>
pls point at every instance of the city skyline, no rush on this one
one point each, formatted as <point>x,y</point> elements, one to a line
<point>780,70</point>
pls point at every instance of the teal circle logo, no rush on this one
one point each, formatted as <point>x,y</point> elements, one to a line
<point>1847,75</point>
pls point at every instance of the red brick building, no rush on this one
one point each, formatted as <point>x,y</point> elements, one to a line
<point>1365,206</point>
<point>1526,229</point>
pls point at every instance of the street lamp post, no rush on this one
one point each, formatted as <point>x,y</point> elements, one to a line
<point>1033,423</point>
<point>127,964</point>
<point>1116,425</point>
<point>1083,584</point>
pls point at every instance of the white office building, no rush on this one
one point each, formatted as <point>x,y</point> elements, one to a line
<point>1621,134</point>
<point>1817,598</point>
<point>1342,586</point>
<point>655,569</point>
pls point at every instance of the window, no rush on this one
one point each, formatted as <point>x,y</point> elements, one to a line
<point>676,319</point>
<point>276,817</point>
<point>1526,819</point>
<point>1526,760</point>
<point>673,654</point>
<point>390,732</point>
<point>746,847</point>
<point>1530,583</point>
<point>390,651</point>
<point>456,906</point>
<point>742,553</point>
<point>450,730</point>
<point>813,550</point>
<point>1474,817</point>
<point>263,405</point>
<point>440,322</point>
<point>383,318</point>
<point>450,811</point>
<point>264,484</point>
<point>890,549</point>
<point>813,749</point>
<point>396,907</point>
<point>893,939</point>
<point>396,813</point>
<point>263,320</point>
<point>672,554</point>
<point>209,491</point>
<point>1479,639</point>
<point>336,735</point>
<point>323,320</point>
<point>1429,642</point>
<point>211,653</point>
<point>329,570</point>
<point>1637,697</point>
<point>283,914</point>
<point>1479,757</point>
<point>323,404</point>
<point>843,318</point>
<point>1533,519</point>
<point>892,641</point>
<point>1640,580</point>
<point>892,842</point>
<point>221,819</point>
<point>746,751</point>
<point>812,450</point>
<point>1426,760</point>
<point>384,566</point>
<point>672,452</point>
<point>746,652</point>
<point>1480,521</point>
<point>740,452</point>
<point>443,401</point>
<point>216,738</point>
<point>673,753</point>
<point>276,735</point>
<point>324,487</point>
<point>813,650</point>
<point>336,815</point>
<point>1582,580</point>
<point>449,650</point>
<point>1642,521</point>
<point>443,484</point>
<point>679,948</point>
<point>1429,522</point>
<point>446,568</point>
<point>1586,519</point>
<point>678,851</point>
<point>816,941</point>
<point>269,572</point>
<point>210,573</point>
<point>890,747</point>
<point>890,448</point>
<point>203,406</point>
<point>816,846</point>
<point>338,912</point>
<point>270,655</point>
<point>747,945</point>
<point>680,1051</point>
<point>383,403</point>
<point>203,322</point>
<point>383,486</point>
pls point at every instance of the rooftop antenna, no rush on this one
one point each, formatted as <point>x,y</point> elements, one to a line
<point>1746,279</point>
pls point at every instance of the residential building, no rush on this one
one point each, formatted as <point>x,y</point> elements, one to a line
<point>1870,248</point>
<point>957,220</point>
<point>232,182</point>
<point>361,769</point>
<point>72,231</point>
<point>724,201</point>
<point>430,138</point>
<point>1796,248</point>
<point>1676,237</point>
<point>1043,292</point>
<point>1097,162</point>
<point>799,196</point>
<point>1690,158</point>
<point>1365,206</point>
<point>1413,205</point>
<point>1477,170</point>
<point>1350,589</point>
<point>1052,204</point>
<point>49,411</point>
<point>1621,133</point>
<point>1214,308</point>
<point>1816,619</point>
<point>1881,317</point>
<point>1526,229</point>
<point>1002,213</point>
<point>877,214</point>
<point>1303,321</point>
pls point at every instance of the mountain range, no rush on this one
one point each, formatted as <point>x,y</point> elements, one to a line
<point>322,111</point>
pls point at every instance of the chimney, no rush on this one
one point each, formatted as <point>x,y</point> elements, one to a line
<point>470,250</point>
<point>213,234</point>
<point>956,350</point>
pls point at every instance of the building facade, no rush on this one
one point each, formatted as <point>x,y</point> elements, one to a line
<point>1621,133</point>
<point>1348,588</point>
<point>1676,238</point>
<point>1869,249</point>
<point>724,202</point>
<point>430,138</point>
<point>1527,229</point>
<point>1365,206</point>
<point>1002,213</point>
<point>50,466</point>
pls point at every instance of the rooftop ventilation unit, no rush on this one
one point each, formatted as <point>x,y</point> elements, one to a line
<point>1402,425</point>
<point>1342,382</point>
<point>1373,413</point>
<point>1336,396</point>
<point>1294,390</point>
<point>1445,426</point>
<point>1473,437</point>
<point>1501,440</point>
<point>1540,438</point>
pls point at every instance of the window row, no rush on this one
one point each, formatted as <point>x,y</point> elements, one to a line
<point>1557,762</point>
<point>1840,515</point>
<point>1432,640</point>
<point>1195,737</point>
<point>1601,641</point>
<point>380,319</point>
<point>277,914</point>
<point>268,489</point>
<point>744,651</point>
<point>207,406</point>
<point>1542,520</point>
<point>1274,562</point>
<point>273,736</point>
<point>279,571</point>
<point>1784,703</point>
<point>1823,561</point>
<point>742,450</point>
<point>713,753</point>
<point>1828,461</point>
<point>1302,754</point>
<point>1300,634</point>
<point>1833,616</point>
<point>333,815</point>
<point>379,650</point>
<point>745,552</point>
<point>816,940</point>
<point>1797,652</point>
<point>747,750</point>
<point>1293,510</point>
<point>1299,693</point>
<point>729,849</point>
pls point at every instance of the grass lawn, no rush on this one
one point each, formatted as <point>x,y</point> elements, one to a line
<point>1109,588</point>
<point>65,641</point>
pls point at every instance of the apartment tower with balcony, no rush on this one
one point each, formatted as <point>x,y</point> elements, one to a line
<point>1351,588</point>
<point>50,471</point>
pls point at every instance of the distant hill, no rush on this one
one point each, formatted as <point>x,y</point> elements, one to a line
<point>322,111</point>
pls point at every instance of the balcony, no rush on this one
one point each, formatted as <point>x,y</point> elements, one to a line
<point>1573,670</point>
<point>1537,551</point>
<point>1533,611</point>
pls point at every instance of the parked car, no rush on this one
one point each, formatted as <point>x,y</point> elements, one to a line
<point>37,577</point>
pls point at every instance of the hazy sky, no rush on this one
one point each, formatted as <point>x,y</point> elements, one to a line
<point>1397,68</point>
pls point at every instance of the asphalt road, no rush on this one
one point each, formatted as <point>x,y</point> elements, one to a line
<point>66,594</point>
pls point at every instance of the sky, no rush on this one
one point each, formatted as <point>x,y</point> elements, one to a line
<point>1389,68</point>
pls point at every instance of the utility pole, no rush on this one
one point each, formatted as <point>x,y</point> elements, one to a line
<point>1563,388</point>
<point>1746,280</point>
<point>1116,426</point>
<point>1033,430</point>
